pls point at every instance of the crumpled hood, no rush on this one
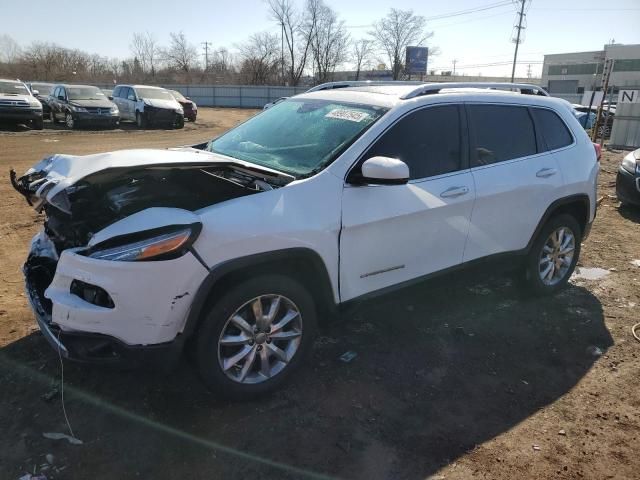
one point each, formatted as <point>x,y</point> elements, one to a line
<point>59,172</point>
<point>168,104</point>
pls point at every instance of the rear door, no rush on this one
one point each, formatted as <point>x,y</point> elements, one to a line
<point>395,233</point>
<point>515,178</point>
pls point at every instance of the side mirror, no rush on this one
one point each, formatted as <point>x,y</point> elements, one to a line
<point>35,92</point>
<point>61,97</point>
<point>385,171</point>
<point>110,97</point>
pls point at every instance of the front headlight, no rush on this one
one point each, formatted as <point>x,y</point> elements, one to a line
<point>630,164</point>
<point>114,109</point>
<point>158,244</point>
<point>194,106</point>
<point>78,109</point>
<point>180,110</point>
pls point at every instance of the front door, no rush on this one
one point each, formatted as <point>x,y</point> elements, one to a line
<point>396,233</point>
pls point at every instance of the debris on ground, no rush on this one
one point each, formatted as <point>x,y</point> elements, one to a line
<point>594,351</point>
<point>536,447</point>
<point>63,436</point>
<point>562,432</point>
<point>347,357</point>
<point>635,263</point>
<point>595,273</point>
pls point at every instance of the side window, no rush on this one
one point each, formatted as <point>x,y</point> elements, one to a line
<point>499,133</point>
<point>62,92</point>
<point>428,141</point>
<point>55,92</point>
<point>131,95</point>
<point>553,130</point>
<point>116,92</point>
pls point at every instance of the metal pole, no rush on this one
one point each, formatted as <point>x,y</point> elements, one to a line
<point>519,27</point>
<point>282,50</point>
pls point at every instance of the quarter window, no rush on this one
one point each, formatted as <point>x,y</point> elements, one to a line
<point>499,133</point>
<point>428,141</point>
<point>553,130</point>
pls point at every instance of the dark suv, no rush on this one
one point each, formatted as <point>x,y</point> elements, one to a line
<point>77,105</point>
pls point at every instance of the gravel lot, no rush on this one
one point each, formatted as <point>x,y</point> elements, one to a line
<point>459,378</point>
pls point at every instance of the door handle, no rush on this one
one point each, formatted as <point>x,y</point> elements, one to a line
<point>454,192</point>
<point>546,172</point>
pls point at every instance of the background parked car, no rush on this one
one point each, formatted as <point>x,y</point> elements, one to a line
<point>41,91</point>
<point>18,105</point>
<point>189,106</point>
<point>77,105</point>
<point>587,117</point>
<point>147,105</point>
<point>628,179</point>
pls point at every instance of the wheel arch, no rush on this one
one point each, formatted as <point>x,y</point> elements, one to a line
<point>303,264</point>
<point>577,206</point>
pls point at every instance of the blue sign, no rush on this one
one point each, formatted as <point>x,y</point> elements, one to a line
<point>417,60</point>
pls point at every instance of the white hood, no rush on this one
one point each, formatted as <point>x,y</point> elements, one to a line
<point>168,104</point>
<point>19,99</point>
<point>62,171</point>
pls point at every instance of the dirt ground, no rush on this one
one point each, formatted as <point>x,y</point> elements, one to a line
<point>455,379</point>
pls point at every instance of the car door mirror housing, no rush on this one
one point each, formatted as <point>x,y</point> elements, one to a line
<point>110,97</point>
<point>61,97</point>
<point>35,92</point>
<point>385,171</point>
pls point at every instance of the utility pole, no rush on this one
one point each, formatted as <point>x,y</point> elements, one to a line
<point>529,74</point>
<point>282,50</point>
<point>606,74</point>
<point>517,39</point>
<point>205,46</point>
<point>454,66</point>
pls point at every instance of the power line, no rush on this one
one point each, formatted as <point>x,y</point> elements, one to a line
<point>457,13</point>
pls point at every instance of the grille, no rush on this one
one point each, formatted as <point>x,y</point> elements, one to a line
<point>98,110</point>
<point>14,103</point>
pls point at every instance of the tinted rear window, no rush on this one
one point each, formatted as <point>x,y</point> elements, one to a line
<point>553,130</point>
<point>500,133</point>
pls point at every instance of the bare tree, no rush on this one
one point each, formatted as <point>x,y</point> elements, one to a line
<point>297,32</point>
<point>145,48</point>
<point>9,49</point>
<point>260,58</point>
<point>395,32</point>
<point>329,38</point>
<point>361,54</point>
<point>181,55</point>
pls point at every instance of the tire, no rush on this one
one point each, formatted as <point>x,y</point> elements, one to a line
<point>563,266</point>
<point>69,121</point>
<point>245,379</point>
<point>38,123</point>
<point>141,120</point>
<point>179,123</point>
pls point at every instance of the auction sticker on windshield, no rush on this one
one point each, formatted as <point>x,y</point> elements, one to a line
<point>345,114</point>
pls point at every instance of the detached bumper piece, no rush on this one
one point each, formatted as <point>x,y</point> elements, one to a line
<point>628,187</point>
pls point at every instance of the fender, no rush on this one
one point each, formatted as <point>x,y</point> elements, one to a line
<point>558,205</point>
<point>319,276</point>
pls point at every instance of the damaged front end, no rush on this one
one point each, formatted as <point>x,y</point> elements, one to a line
<point>114,264</point>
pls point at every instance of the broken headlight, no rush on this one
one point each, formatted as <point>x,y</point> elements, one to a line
<point>630,164</point>
<point>157,244</point>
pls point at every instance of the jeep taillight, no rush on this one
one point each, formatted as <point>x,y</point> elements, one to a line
<point>598,148</point>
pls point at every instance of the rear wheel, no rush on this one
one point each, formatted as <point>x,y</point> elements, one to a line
<point>255,336</point>
<point>553,256</point>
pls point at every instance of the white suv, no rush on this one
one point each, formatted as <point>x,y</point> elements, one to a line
<point>238,247</point>
<point>147,105</point>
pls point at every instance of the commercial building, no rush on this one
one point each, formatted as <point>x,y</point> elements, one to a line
<point>575,73</point>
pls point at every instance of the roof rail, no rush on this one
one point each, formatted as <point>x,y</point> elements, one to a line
<point>360,83</point>
<point>431,88</point>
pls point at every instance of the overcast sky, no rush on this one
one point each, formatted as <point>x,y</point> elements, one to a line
<point>475,40</point>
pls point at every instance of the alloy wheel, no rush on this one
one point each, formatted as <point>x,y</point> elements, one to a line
<point>69,120</point>
<point>259,339</point>
<point>556,256</point>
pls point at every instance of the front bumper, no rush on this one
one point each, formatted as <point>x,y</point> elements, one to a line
<point>628,187</point>
<point>20,114</point>
<point>96,119</point>
<point>156,115</point>
<point>151,301</point>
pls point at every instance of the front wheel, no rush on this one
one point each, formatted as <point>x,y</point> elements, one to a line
<point>38,123</point>
<point>554,255</point>
<point>255,336</point>
<point>69,121</point>
<point>179,123</point>
<point>141,120</point>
